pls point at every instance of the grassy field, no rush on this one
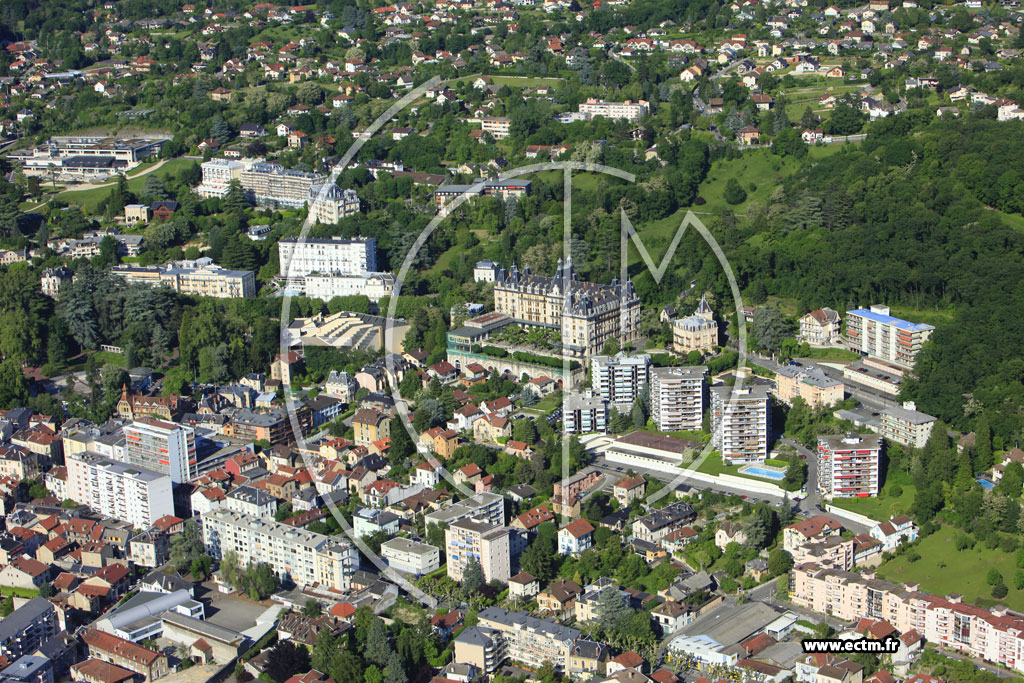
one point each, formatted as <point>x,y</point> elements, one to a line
<point>930,317</point>
<point>525,81</point>
<point>799,99</point>
<point>1015,221</point>
<point>714,466</point>
<point>886,505</point>
<point>943,570</point>
<point>759,168</point>
<point>17,591</point>
<point>108,358</point>
<point>90,200</point>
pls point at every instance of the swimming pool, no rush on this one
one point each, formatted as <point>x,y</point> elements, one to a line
<point>985,483</point>
<point>764,473</point>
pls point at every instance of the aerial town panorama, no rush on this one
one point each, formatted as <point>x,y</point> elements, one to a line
<point>512,341</point>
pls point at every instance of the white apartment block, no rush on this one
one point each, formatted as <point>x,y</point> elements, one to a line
<point>194,278</point>
<point>584,414</point>
<point>119,491</point>
<point>498,126</point>
<point>906,425</point>
<point>371,285</point>
<point>994,634</point>
<point>162,447</point>
<point>485,271</point>
<point>874,332</point>
<point>740,420</point>
<point>618,379</point>
<point>217,176</point>
<point>849,465</point>
<point>294,554</point>
<point>629,110</point>
<point>297,258</point>
<point>492,545</point>
<point>677,397</point>
<point>410,557</point>
<point>251,501</point>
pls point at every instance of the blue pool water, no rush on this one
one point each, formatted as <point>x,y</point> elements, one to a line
<point>762,472</point>
<point>985,483</point>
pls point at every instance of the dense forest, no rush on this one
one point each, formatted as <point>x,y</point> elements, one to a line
<point>907,219</point>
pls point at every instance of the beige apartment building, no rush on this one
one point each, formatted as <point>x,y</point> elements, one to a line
<point>809,383</point>
<point>273,184</point>
<point>333,205</point>
<point>304,557</point>
<point>498,126</point>
<point>492,545</point>
<point>586,314</point>
<point>994,634</point>
<point>906,425</point>
<point>194,278</point>
<point>698,332</point>
<point>501,635</point>
<point>629,110</point>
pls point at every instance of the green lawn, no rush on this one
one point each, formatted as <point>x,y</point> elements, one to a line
<point>885,506</point>
<point>444,261</point>
<point>714,466</point>
<point>525,81</point>
<point>930,317</point>
<point>90,200</point>
<point>943,570</point>
<point>108,358</point>
<point>759,167</point>
<point>1015,221</point>
<point>17,591</point>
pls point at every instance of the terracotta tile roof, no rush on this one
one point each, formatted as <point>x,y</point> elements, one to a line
<point>105,672</point>
<point>125,649</point>
<point>579,528</point>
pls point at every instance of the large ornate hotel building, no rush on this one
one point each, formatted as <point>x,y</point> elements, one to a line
<point>587,314</point>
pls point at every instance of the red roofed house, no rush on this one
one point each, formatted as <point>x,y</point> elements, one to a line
<point>25,572</point>
<point>169,524</point>
<point>343,610</point>
<point>444,371</point>
<point>470,474</point>
<point>816,528</point>
<point>108,648</point>
<point>284,365</point>
<point>575,537</point>
<point>491,428</point>
<point>627,660</point>
<point>531,519</point>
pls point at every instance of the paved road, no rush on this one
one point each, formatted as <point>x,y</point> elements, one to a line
<point>620,60</point>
